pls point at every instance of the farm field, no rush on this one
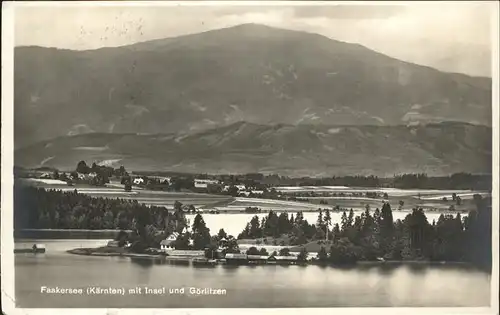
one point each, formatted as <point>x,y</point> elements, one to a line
<point>149,197</point>
<point>429,200</point>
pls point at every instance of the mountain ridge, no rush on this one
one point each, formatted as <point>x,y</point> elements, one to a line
<point>436,149</point>
<point>201,81</point>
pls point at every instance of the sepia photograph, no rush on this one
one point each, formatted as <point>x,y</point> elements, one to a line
<point>249,155</point>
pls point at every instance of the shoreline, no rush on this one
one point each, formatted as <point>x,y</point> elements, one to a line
<point>92,252</point>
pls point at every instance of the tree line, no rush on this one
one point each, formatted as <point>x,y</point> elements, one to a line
<point>257,181</point>
<point>38,208</point>
<point>460,181</point>
<point>373,236</point>
<point>273,225</point>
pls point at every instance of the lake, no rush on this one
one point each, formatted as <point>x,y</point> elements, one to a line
<point>245,286</point>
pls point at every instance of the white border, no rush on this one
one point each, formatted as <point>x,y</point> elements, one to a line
<point>7,241</point>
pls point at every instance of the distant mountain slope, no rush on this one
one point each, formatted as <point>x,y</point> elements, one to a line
<point>249,72</point>
<point>293,150</point>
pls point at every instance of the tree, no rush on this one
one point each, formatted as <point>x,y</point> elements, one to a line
<point>328,222</point>
<point>284,252</point>
<point>386,219</point>
<point>121,171</point>
<point>191,209</point>
<point>263,252</point>
<point>233,191</point>
<point>344,222</point>
<point>401,204</point>
<point>344,252</point>
<point>182,242</point>
<point>82,167</point>
<point>232,246</point>
<point>322,254</point>
<point>336,232</point>
<point>255,230</point>
<point>253,251</point>
<point>302,255</point>
<point>108,220</point>
<point>222,234</point>
<point>201,234</point>
<point>177,206</point>
<point>319,222</point>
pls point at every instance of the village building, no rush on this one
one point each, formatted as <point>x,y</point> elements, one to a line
<point>169,242</point>
<point>236,259</point>
<point>286,260</point>
<point>138,181</point>
<point>203,183</point>
<point>185,253</point>
<point>257,259</point>
<point>241,187</point>
<point>223,243</point>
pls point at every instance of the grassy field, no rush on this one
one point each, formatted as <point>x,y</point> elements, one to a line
<point>429,200</point>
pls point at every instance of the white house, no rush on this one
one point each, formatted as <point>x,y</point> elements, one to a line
<point>241,187</point>
<point>200,185</point>
<point>169,242</point>
<point>138,181</point>
<point>203,183</point>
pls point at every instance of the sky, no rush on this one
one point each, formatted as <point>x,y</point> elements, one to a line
<point>453,37</point>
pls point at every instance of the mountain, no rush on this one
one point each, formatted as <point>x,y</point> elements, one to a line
<point>294,150</point>
<point>250,72</point>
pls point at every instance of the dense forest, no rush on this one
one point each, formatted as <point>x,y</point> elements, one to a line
<point>371,236</point>
<point>37,208</point>
<point>365,237</point>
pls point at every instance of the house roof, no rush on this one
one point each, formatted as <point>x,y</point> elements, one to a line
<point>236,256</point>
<point>285,257</point>
<point>257,257</point>
<point>171,238</point>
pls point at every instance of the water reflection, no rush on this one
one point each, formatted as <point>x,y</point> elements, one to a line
<point>387,269</point>
<point>143,262</point>
<point>370,285</point>
<point>418,267</point>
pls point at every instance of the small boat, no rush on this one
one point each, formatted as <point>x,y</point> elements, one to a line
<point>36,249</point>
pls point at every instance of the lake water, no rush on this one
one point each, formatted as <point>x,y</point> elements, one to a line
<point>234,224</point>
<point>259,286</point>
